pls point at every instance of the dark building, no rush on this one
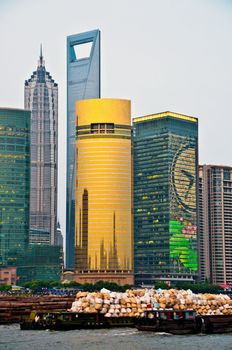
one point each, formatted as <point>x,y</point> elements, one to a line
<point>14,183</point>
<point>165,199</point>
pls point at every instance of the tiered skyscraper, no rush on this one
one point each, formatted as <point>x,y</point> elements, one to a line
<point>215,223</point>
<point>165,198</point>
<point>41,97</point>
<point>83,82</point>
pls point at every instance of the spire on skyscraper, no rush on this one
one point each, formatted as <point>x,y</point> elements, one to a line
<point>41,60</point>
<point>41,54</point>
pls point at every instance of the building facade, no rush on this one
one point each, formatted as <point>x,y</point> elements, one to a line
<point>39,236</point>
<point>165,198</point>
<point>8,275</point>
<point>14,183</point>
<point>40,262</point>
<point>83,82</point>
<point>41,97</point>
<point>104,234</point>
<point>215,223</point>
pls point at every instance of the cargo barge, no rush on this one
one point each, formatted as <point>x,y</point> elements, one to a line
<point>169,321</point>
<point>73,320</point>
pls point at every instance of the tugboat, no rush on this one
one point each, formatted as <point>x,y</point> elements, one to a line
<point>35,321</point>
<point>217,324</point>
<point>170,321</point>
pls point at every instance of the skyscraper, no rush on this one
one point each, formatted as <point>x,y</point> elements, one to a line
<point>215,223</point>
<point>41,97</point>
<point>83,82</point>
<point>104,234</point>
<point>14,183</point>
<point>165,199</point>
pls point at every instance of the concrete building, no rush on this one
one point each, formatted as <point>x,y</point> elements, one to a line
<point>14,183</point>
<point>41,97</point>
<point>83,82</point>
<point>165,198</point>
<point>215,223</point>
<point>104,233</point>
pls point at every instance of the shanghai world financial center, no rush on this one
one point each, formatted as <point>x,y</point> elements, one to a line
<point>83,82</point>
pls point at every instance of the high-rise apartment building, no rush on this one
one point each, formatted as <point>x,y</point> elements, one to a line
<point>165,198</point>
<point>41,97</point>
<point>83,82</point>
<point>104,234</point>
<point>14,183</point>
<point>215,224</point>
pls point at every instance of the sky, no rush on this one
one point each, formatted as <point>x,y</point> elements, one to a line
<point>163,55</point>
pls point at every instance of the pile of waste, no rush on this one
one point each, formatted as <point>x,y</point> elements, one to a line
<point>134,303</point>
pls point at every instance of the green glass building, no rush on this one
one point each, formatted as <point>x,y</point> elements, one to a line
<point>40,263</point>
<point>14,183</point>
<point>165,197</point>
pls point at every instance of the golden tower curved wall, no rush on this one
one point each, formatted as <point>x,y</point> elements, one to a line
<point>104,190</point>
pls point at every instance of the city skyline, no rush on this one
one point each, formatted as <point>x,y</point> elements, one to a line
<point>190,74</point>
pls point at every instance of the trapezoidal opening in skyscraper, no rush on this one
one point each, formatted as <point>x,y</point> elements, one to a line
<point>82,50</point>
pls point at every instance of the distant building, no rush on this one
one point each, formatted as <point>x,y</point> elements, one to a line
<point>14,183</point>
<point>83,82</point>
<point>59,236</point>
<point>40,262</point>
<point>39,236</point>
<point>165,198</point>
<point>215,223</point>
<point>104,233</point>
<point>41,97</point>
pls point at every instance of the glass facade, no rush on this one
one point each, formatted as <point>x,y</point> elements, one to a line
<point>14,183</point>
<point>39,236</point>
<point>165,199</point>
<point>103,188</point>
<point>83,82</point>
<point>40,263</point>
<point>41,97</point>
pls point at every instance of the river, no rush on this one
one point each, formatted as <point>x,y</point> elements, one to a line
<point>12,338</point>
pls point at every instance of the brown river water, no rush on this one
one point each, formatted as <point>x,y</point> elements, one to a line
<point>12,338</point>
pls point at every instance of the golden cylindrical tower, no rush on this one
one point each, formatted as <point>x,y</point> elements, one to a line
<point>103,191</point>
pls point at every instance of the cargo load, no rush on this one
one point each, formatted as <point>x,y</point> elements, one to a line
<point>134,303</point>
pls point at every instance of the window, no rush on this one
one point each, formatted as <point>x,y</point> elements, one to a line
<point>102,128</point>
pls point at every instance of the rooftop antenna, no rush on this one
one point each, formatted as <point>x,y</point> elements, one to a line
<point>41,56</point>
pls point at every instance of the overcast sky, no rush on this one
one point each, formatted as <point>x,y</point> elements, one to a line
<point>164,55</point>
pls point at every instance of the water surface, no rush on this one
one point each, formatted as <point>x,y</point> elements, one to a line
<point>12,338</point>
